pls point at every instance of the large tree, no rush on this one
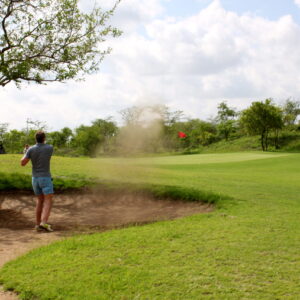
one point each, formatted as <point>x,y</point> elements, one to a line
<point>50,40</point>
<point>261,118</point>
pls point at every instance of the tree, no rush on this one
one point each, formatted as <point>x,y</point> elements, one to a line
<point>225,120</point>
<point>171,117</point>
<point>59,139</point>
<point>198,133</point>
<point>31,127</point>
<point>86,140</point>
<point>3,130</point>
<point>224,112</point>
<point>107,129</point>
<point>131,115</point>
<point>50,40</point>
<point>260,118</point>
<point>15,141</point>
<point>291,110</point>
<point>35,125</point>
<point>90,139</point>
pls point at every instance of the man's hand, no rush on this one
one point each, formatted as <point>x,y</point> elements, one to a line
<point>24,161</point>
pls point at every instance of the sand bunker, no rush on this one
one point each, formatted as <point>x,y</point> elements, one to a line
<point>80,212</point>
<point>94,210</point>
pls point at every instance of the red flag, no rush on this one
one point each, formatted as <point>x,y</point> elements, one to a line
<point>181,135</point>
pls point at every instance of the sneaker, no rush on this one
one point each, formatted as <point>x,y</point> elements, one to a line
<point>38,228</point>
<point>46,227</point>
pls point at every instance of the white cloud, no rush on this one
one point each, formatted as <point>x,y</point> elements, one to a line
<point>297,2</point>
<point>131,14</point>
<point>213,55</point>
<point>190,64</point>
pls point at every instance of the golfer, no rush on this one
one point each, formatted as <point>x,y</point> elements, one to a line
<point>40,155</point>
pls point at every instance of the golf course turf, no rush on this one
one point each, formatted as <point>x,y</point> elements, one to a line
<point>247,248</point>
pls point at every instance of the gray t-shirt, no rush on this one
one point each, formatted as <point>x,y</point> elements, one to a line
<point>40,155</point>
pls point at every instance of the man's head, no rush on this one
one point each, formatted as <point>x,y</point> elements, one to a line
<point>40,137</point>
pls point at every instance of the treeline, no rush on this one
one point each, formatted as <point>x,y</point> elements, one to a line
<point>156,129</point>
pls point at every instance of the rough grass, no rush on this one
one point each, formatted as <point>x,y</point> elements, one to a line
<point>248,143</point>
<point>17,181</point>
<point>247,249</point>
<point>288,142</point>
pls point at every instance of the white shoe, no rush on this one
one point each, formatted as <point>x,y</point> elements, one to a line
<point>46,227</point>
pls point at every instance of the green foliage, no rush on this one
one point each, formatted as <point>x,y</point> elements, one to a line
<point>45,41</point>
<point>199,132</point>
<point>15,140</point>
<point>185,194</point>
<point>226,124</point>
<point>90,140</point>
<point>225,113</point>
<point>3,130</point>
<point>17,181</point>
<point>162,191</point>
<point>226,128</point>
<point>291,110</point>
<point>154,129</point>
<point>60,139</point>
<point>246,143</point>
<point>289,141</point>
<point>261,118</point>
<point>14,181</point>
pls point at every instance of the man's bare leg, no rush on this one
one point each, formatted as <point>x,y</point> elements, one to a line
<point>46,208</point>
<point>39,209</point>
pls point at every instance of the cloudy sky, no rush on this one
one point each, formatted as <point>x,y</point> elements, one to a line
<point>187,54</point>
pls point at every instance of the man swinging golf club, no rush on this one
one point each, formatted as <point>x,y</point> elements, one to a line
<point>40,155</point>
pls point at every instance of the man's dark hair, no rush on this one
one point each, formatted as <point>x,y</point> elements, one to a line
<point>40,137</point>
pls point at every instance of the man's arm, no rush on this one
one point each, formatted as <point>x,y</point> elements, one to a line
<point>24,161</point>
<point>26,157</point>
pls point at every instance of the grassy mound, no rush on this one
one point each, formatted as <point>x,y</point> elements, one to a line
<point>248,143</point>
<point>17,181</point>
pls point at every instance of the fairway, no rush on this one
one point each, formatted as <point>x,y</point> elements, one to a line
<point>247,248</point>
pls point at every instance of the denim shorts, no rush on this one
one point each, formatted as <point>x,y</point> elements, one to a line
<point>42,185</point>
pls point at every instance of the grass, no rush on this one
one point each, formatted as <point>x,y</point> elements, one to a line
<point>247,249</point>
<point>288,142</point>
<point>247,143</point>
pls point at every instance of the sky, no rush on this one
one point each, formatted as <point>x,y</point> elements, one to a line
<point>187,54</point>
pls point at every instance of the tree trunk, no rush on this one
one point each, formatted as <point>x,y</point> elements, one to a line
<point>266,141</point>
<point>262,141</point>
<point>276,139</point>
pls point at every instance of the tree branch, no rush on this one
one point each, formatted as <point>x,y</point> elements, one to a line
<point>8,13</point>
